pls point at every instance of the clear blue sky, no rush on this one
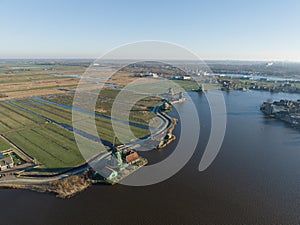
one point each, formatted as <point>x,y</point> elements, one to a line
<point>214,29</point>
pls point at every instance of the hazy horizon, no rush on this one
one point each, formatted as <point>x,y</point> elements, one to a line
<point>214,30</point>
<point>95,58</point>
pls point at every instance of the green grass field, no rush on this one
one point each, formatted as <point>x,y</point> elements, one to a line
<point>51,145</point>
<point>63,115</point>
<point>48,146</point>
<point>25,122</point>
<point>3,145</point>
<point>140,113</point>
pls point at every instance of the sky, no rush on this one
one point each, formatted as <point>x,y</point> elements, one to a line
<point>214,29</point>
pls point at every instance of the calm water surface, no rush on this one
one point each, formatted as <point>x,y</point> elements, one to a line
<point>255,179</point>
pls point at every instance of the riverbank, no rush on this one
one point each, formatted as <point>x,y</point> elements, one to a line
<point>65,188</point>
<point>169,136</point>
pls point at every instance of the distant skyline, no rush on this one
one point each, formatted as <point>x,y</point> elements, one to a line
<point>214,29</point>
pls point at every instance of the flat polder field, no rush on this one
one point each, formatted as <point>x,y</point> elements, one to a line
<point>36,114</point>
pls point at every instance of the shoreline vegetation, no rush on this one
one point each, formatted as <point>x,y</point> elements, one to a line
<point>64,189</point>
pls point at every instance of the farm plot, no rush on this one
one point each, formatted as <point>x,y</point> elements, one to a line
<point>140,113</point>
<point>12,119</point>
<point>52,147</point>
<point>63,115</point>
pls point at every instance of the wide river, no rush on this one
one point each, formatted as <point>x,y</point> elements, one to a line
<point>255,179</point>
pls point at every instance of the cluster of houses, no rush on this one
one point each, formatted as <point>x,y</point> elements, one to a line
<point>279,86</point>
<point>156,75</point>
<point>150,74</point>
<point>285,87</point>
<point>286,110</point>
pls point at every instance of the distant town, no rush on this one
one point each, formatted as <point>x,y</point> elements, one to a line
<point>285,110</point>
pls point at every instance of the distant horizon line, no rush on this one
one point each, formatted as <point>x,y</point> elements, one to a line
<point>95,58</point>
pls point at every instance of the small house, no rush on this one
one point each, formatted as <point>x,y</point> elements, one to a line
<point>6,162</point>
<point>132,157</point>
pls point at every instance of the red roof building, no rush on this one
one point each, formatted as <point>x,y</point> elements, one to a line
<point>132,157</point>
